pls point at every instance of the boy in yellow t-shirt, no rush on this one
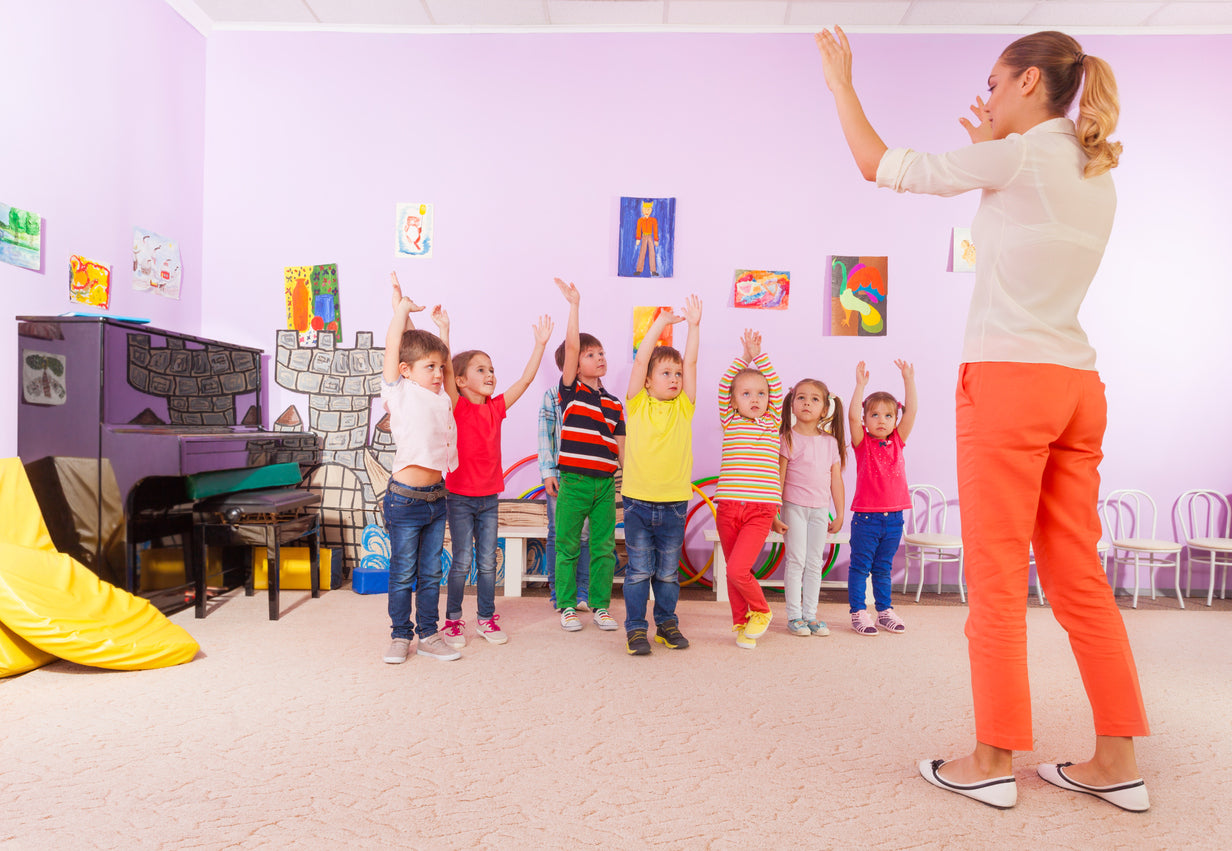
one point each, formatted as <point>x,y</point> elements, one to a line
<point>658,471</point>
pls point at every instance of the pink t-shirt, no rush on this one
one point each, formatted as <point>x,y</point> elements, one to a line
<point>809,460</point>
<point>881,474</point>
<point>422,426</point>
<point>479,470</point>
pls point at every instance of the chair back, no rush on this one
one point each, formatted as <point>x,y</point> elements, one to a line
<point>1198,514</point>
<point>929,510</point>
<point>1130,513</point>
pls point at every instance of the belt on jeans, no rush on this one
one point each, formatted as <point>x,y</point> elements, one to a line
<point>437,492</point>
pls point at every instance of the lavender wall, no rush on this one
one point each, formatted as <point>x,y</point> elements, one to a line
<point>103,130</point>
<point>526,143</point>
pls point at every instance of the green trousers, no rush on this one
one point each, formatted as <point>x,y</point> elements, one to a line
<point>581,497</point>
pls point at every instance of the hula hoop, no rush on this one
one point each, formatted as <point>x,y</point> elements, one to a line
<point>532,493</point>
<point>517,464</point>
<point>683,564</point>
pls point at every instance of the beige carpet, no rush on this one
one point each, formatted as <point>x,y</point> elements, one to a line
<point>295,734</point>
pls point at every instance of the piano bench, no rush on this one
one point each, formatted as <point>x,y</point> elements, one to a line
<point>257,518</point>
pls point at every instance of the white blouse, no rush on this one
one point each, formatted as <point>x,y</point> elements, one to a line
<point>422,426</point>
<point>1040,234</point>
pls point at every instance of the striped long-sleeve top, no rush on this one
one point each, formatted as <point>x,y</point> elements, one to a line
<point>750,467</point>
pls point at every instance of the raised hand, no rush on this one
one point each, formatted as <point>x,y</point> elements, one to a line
<point>670,316</point>
<point>399,298</point>
<point>906,369</point>
<point>981,131</point>
<point>543,330</point>
<point>693,310</point>
<point>835,53</point>
<point>861,374</point>
<point>441,318</point>
<point>752,344</point>
<point>570,291</point>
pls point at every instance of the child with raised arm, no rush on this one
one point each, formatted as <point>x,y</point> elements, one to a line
<point>878,437</point>
<point>749,490</point>
<point>812,457</point>
<point>658,478</point>
<point>475,486</point>
<point>591,449</point>
<point>415,378</point>
<point>549,474</point>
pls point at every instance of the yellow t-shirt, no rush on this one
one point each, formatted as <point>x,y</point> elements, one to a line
<point>658,448</point>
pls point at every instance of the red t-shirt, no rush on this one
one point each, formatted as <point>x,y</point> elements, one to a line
<point>479,470</point>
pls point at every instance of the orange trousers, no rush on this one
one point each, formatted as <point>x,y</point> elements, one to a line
<point>1029,445</point>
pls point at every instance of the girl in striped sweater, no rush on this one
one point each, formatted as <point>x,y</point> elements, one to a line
<point>749,491</point>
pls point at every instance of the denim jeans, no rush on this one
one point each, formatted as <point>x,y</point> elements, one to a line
<point>472,529</point>
<point>875,536</point>
<point>416,534</point>
<point>654,534</point>
<point>583,562</point>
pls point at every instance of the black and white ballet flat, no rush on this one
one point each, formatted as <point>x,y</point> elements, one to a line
<point>1130,796</point>
<point>999,792</point>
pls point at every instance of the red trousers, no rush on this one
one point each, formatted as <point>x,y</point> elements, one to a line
<point>743,527</point>
<point>1029,445</point>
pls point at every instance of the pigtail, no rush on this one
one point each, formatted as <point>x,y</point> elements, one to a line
<point>785,424</point>
<point>834,425</point>
<point>1098,110</point>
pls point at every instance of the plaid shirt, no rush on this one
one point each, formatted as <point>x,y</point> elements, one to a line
<point>549,434</point>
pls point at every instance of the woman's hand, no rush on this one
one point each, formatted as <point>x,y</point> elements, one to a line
<point>982,131</point>
<point>835,53</point>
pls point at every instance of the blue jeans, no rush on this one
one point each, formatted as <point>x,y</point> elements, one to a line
<point>416,534</point>
<point>875,536</point>
<point>654,534</point>
<point>472,518</point>
<point>549,553</point>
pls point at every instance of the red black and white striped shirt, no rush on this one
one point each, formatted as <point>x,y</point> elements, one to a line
<point>591,420</point>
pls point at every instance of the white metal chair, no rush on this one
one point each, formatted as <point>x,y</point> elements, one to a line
<point>925,538</point>
<point>1131,515</point>
<point>1198,513</point>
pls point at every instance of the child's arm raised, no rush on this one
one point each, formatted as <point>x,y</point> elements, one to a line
<point>573,345</point>
<point>401,321</point>
<point>543,333</point>
<point>637,375</point>
<point>838,496</point>
<point>693,313</point>
<point>855,411</point>
<point>726,408</point>
<point>911,401</point>
<point>441,318</point>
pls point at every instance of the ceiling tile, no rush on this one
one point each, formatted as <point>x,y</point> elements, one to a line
<point>967,13</point>
<point>224,12</point>
<point>850,13</point>
<point>488,13</point>
<point>727,13</point>
<point>1179,14</point>
<point>371,13</point>
<point>619,13</point>
<point>1089,13</point>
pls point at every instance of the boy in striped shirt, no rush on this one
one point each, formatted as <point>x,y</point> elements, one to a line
<point>749,491</point>
<point>592,442</point>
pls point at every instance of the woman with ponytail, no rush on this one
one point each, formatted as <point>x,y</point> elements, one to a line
<point>1031,411</point>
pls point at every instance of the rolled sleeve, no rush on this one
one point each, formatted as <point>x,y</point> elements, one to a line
<point>984,165</point>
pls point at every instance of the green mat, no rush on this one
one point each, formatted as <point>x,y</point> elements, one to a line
<point>201,485</point>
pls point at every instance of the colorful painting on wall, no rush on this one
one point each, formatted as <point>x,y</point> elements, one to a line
<point>312,301</point>
<point>962,251</point>
<point>89,282</point>
<point>414,230</point>
<point>643,318</point>
<point>647,237</point>
<point>156,264</point>
<point>42,378</point>
<point>21,237</point>
<point>858,296</point>
<point>761,289</point>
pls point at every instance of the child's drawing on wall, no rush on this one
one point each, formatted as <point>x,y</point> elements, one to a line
<point>647,237</point>
<point>414,230</point>
<point>156,264</point>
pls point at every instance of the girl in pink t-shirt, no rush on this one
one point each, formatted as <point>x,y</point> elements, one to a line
<point>812,455</point>
<point>878,437</point>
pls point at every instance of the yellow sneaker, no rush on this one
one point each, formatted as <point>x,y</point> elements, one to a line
<point>757,624</point>
<point>742,639</point>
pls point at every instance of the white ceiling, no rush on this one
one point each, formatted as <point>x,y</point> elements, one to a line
<point>753,15</point>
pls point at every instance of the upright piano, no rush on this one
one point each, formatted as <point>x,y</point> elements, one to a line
<point>120,412</point>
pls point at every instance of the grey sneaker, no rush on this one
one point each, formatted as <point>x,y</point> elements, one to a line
<point>604,620</point>
<point>435,647</point>
<point>398,650</point>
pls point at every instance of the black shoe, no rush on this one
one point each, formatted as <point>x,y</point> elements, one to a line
<point>636,643</point>
<point>668,633</point>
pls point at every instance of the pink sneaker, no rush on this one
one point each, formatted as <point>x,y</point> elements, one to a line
<point>454,633</point>
<point>490,629</point>
<point>862,622</point>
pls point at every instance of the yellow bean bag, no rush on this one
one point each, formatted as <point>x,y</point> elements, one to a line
<point>18,655</point>
<point>23,520</point>
<point>63,608</point>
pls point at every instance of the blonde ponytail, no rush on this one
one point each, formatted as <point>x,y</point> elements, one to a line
<point>1098,110</point>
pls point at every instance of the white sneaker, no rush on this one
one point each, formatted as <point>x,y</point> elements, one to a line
<point>455,633</point>
<point>604,620</point>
